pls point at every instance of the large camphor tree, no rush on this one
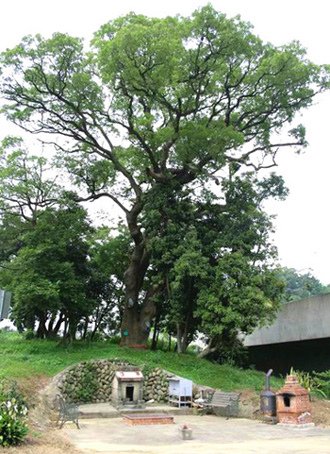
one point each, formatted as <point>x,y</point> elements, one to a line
<point>158,106</point>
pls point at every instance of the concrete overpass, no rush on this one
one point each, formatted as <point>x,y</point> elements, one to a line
<point>299,337</point>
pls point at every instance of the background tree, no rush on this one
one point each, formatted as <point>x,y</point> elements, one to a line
<point>300,285</point>
<point>243,288</point>
<point>109,257</point>
<point>26,189</point>
<point>49,275</point>
<point>165,103</point>
<point>26,186</point>
<point>214,264</point>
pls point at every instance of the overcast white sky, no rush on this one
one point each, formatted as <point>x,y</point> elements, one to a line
<point>303,221</point>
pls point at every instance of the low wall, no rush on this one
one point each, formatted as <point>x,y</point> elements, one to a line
<point>91,382</point>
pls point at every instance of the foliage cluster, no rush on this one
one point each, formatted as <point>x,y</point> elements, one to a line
<point>300,285</point>
<point>61,270</point>
<point>323,381</point>
<point>13,412</point>
<point>317,383</point>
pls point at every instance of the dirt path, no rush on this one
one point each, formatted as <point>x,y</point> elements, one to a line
<point>52,442</point>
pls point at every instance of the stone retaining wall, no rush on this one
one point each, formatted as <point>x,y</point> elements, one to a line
<point>91,382</point>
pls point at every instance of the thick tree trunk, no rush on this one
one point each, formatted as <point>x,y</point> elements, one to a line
<point>72,329</point>
<point>51,324</point>
<point>178,338</point>
<point>154,340</point>
<point>185,341</point>
<point>155,333</point>
<point>169,343</point>
<point>85,331</point>
<point>184,344</point>
<point>101,312</point>
<point>42,330</point>
<point>133,333</point>
<point>137,316</point>
<point>137,320</point>
<point>66,325</point>
<point>183,333</point>
<point>59,322</point>
<point>211,347</point>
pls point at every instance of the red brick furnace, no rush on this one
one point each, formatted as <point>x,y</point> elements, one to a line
<point>293,403</point>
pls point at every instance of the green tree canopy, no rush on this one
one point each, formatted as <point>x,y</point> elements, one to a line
<point>300,285</point>
<point>170,103</point>
<point>214,264</point>
<point>49,274</point>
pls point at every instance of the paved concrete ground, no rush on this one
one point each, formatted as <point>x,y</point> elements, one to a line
<point>105,410</point>
<point>211,435</point>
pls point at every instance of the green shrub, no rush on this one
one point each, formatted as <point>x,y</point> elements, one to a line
<point>115,339</point>
<point>30,334</point>
<point>13,412</point>
<point>323,380</point>
<point>311,381</point>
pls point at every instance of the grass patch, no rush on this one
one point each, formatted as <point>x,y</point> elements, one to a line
<point>21,358</point>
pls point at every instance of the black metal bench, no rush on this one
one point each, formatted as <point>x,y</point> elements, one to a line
<point>66,411</point>
<point>223,404</point>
